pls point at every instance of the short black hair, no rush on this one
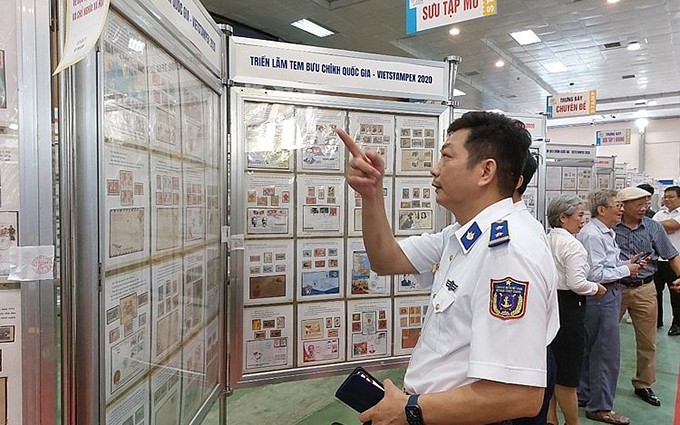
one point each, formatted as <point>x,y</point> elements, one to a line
<point>648,187</point>
<point>498,137</point>
<point>675,189</point>
<point>530,167</point>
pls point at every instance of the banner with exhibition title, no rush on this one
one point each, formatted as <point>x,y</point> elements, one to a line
<point>426,14</point>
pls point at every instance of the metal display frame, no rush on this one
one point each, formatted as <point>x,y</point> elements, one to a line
<point>573,158</point>
<point>239,97</point>
<point>389,100</point>
<point>83,185</point>
<point>606,168</point>
<point>31,125</point>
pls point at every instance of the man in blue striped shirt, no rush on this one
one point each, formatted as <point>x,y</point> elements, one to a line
<point>638,234</point>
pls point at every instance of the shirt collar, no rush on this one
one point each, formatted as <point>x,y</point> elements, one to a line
<point>468,234</point>
<point>601,226</point>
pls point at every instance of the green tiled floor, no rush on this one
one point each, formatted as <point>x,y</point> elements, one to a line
<point>311,402</point>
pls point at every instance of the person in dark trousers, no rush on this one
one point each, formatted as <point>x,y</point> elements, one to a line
<point>669,217</point>
<point>601,355</point>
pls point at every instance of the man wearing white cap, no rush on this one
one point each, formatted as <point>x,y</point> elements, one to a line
<point>639,235</point>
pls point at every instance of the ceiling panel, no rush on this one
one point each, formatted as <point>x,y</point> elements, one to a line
<point>573,32</point>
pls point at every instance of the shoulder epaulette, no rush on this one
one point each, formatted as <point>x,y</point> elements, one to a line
<point>499,233</point>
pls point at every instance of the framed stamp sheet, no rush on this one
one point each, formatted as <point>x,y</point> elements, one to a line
<point>194,203</point>
<point>369,328</point>
<point>417,144</point>
<point>164,109</point>
<point>354,207</point>
<point>9,238</point>
<point>165,300</point>
<point>268,271</point>
<point>321,333</point>
<point>569,178</point>
<point>268,338</point>
<point>415,205</point>
<point>213,206</point>
<point>127,344</point>
<point>195,107</point>
<point>320,209</point>
<point>409,315</point>
<point>193,373</point>
<point>126,113</point>
<point>362,281</point>
<point>269,205</point>
<point>374,132</point>
<point>269,133</point>
<point>126,229</point>
<point>166,202</point>
<point>132,408</point>
<point>193,295</point>
<point>165,392</point>
<point>585,178</point>
<point>319,148</point>
<point>212,355</point>
<point>553,178</point>
<point>320,268</point>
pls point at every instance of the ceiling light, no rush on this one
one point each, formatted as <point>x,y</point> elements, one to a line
<point>525,37</point>
<point>641,124</point>
<point>454,31</point>
<point>555,67</point>
<point>642,113</point>
<point>500,63</point>
<point>457,92</point>
<point>612,1</point>
<point>652,103</point>
<point>312,28</point>
<point>633,46</point>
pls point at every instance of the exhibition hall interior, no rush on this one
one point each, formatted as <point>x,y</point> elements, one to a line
<point>180,242</point>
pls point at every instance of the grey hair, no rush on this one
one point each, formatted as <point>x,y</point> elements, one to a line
<point>600,198</point>
<point>562,204</point>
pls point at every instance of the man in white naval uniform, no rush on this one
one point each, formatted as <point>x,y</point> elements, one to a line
<point>481,357</point>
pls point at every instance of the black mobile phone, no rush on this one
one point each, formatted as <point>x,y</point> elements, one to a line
<point>360,390</point>
<point>643,257</point>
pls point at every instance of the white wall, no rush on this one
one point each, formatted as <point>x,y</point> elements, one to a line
<point>662,145</point>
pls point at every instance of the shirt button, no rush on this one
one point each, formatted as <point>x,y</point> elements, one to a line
<point>437,307</point>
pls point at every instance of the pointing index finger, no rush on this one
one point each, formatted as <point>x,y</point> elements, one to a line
<point>353,148</point>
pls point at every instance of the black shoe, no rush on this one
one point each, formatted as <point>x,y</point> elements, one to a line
<point>648,395</point>
<point>674,330</point>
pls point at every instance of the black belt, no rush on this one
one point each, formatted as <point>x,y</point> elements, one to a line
<point>634,283</point>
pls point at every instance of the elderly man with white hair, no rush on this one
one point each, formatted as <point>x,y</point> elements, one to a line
<point>638,236</point>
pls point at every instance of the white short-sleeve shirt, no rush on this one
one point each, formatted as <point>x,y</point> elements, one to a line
<point>664,214</point>
<point>493,309</point>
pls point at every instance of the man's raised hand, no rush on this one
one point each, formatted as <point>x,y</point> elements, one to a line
<point>365,169</point>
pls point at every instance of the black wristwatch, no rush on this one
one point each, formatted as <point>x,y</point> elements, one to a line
<point>413,414</point>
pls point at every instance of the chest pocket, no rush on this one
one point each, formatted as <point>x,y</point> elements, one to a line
<point>440,321</point>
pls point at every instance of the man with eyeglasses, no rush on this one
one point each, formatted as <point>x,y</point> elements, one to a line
<point>639,235</point>
<point>669,217</point>
<point>601,357</point>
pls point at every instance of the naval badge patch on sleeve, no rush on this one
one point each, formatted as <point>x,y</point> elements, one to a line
<point>507,299</point>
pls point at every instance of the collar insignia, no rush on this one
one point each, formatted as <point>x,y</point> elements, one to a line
<point>499,233</point>
<point>470,236</point>
<point>451,285</point>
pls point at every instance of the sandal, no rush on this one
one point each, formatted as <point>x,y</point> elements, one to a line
<point>610,417</point>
